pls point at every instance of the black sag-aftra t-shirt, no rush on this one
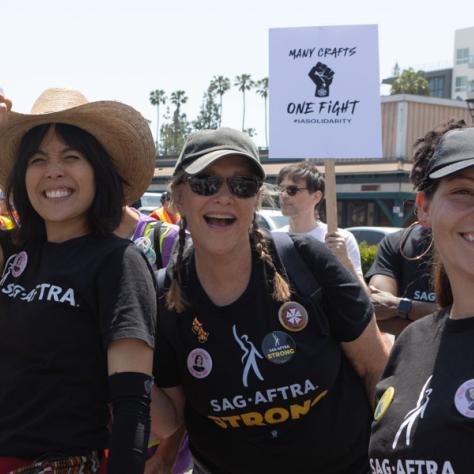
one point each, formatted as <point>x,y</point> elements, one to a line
<point>260,397</point>
<point>61,304</point>
<point>428,427</point>
<point>413,277</point>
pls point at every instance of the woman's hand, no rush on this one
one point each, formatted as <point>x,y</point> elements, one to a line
<point>5,106</point>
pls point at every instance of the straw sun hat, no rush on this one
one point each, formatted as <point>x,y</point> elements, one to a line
<point>121,130</point>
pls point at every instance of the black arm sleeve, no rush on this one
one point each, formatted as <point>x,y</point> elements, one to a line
<point>130,398</point>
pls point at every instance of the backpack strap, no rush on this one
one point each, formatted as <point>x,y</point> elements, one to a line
<point>161,279</point>
<point>297,270</point>
<point>155,232</point>
<point>301,276</point>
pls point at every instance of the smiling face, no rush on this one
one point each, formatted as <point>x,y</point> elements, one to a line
<point>450,214</point>
<point>219,223</point>
<point>60,185</point>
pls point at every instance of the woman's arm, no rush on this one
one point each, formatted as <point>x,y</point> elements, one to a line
<point>130,363</point>
<point>167,410</point>
<point>129,355</point>
<point>368,354</point>
<point>167,407</point>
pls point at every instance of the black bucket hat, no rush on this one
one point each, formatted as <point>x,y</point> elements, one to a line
<point>207,146</point>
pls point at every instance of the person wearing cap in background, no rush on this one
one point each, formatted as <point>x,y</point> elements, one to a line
<point>424,416</point>
<point>77,304</point>
<point>301,188</point>
<point>166,213</point>
<point>400,283</point>
<point>268,383</point>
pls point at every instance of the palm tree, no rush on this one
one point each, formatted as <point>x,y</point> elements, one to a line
<point>262,91</point>
<point>220,85</point>
<point>244,83</point>
<point>177,99</point>
<point>157,97</point>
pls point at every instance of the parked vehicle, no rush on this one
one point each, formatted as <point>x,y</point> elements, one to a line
<point>371,235</point>
<point>149,202</point>
<point>271,218</point>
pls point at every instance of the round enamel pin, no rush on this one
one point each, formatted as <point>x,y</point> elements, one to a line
<point>383,404</point>
<point>144,244</point>
<point>293,316</point>
<point>19,264</point>
<point>278,347</point>
<point>199,363</point>
<point>464,399</point>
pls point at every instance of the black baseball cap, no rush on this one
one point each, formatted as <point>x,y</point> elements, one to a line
<point>454,152</point>
<point>206,146</point>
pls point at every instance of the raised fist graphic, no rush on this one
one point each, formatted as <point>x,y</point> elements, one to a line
<point>322,76</point>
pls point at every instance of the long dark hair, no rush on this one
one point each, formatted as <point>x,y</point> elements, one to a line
<point>105,212</point>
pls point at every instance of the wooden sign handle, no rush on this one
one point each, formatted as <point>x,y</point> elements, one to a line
<point>330,194</point>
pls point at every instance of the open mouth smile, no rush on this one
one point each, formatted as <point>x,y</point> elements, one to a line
<point>219,220</point>
<point>57,193</point>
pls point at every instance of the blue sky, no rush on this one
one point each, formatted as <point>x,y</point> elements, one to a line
<point>124,49</point>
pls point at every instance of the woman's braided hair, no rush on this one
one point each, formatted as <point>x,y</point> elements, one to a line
<point>281,288</point>
<point>424,150</point>
<point>175,297</point>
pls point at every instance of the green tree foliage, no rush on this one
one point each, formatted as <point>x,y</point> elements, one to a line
<point>209,116</point>
<point>410,82</point>
<point>396,70</point>
<point>262,91</point>
<point>367,255</point>
<point>177,127</point>
<point>220,86</point>
<point>157,98</point>
<point>180,121</point>
<point>251,132</point>
<point>244,83</point>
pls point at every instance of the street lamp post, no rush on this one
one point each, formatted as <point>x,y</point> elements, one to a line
<point>470,99</point>
<point>470,106</point>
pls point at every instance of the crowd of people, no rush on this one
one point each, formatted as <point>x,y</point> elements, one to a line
<point>200,341</point>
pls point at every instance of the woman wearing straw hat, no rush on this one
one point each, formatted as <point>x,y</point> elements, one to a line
<point>77,304</point>
<point>267,383</point>
<point>424,420</point>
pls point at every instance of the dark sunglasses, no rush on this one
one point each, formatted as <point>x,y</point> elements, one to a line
<point>291,190</point>
<point>239,186</point>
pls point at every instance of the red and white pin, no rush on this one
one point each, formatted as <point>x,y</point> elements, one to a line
<point>293,316</point>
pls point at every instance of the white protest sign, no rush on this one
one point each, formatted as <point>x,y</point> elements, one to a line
<point>324,92</point>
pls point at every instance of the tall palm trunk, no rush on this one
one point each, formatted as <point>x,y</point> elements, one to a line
<point>243,110</point>
<point>266,123</point>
